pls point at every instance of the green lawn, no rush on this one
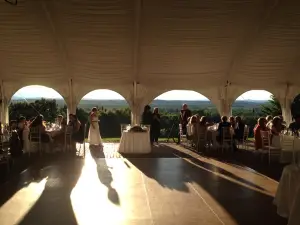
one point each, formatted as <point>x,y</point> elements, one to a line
<point>117,139</point>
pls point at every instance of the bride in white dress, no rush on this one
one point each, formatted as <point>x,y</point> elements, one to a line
<point>94,132</point>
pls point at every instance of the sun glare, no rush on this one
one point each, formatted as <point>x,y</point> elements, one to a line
<point>181,95</point>
<point>29,195</point>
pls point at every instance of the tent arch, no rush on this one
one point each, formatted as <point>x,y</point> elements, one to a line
<point>14,91</point>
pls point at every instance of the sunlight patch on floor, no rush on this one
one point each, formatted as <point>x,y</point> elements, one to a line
<point>104,190</point>
<point>23,201</point>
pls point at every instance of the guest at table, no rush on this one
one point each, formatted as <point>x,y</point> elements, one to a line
<point>185,113</point>
<point>239,128</point>
<point>276,126</point>
<point>155,126</point>
<point>39,123</point>
<point>260,126</point>
<point>78,129</point>
<point>20,128</point>
<point>269,118</point>
<point>147,115</point>
<point>224,123</point>
<point>295,126</point>
<point>14,141</point>
<point>192,128</point>
<point>59,134</point>
<point>232,122</point>
<point>269,122</point>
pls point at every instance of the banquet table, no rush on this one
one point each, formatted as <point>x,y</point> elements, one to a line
<point>287,198</point>
<point>135,142</point>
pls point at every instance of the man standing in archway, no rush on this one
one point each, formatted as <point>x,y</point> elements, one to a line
<point>185,114</point>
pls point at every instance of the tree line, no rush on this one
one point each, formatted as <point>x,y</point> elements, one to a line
<point>111,119</point>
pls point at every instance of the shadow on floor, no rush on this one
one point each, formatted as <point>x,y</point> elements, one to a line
<point>104,173</point>
<point>245,205</point>
<point>54,205</point>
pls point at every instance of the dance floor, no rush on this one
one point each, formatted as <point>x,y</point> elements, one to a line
<point>163,188</point>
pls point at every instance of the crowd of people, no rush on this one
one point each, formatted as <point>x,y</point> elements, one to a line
<point>199,124</point>
<point>18,132</point>
<point>275,126</point>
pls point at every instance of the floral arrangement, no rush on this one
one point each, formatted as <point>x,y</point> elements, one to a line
<point>137,128</point>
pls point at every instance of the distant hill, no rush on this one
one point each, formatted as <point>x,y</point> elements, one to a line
<point>162,104</point>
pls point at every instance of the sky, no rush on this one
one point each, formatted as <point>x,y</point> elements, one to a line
<point>36,91</point>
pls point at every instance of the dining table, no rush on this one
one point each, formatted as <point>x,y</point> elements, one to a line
<point>133,142</point>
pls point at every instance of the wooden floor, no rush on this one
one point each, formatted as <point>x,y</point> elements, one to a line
<point>170,186</point>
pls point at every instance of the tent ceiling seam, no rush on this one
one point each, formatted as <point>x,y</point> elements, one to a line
<point>136,46</point>
<point>60,45</point>
<point>249,38</point>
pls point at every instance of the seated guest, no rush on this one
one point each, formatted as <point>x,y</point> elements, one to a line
<point>78,130</point>
<point>276,126</point>
<point>260,126</point>
<point>14,141</point>
<point>283,123</point>
<point>239,128</point>
<point>20,127</point>
<point>295,126</point>
<point>269,118</point>
<point>232,122</point>
<point>269,121</point>
<point>38,123</point>
<point>224,123</point>
<point>59,135</point>
<point>192,133</point>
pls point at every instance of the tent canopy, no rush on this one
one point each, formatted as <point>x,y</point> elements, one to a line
<point>219,48</point>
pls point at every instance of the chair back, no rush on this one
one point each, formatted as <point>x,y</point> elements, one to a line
<point>35,134</point>
<point>287,142</point>
<point>69,130</point>
<point>226,134</point>
<point>201,133</point>
<point>246,132</point>
<point>265,138</point>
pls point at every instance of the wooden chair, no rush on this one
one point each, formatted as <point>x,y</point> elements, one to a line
<point>35,138</point>
<point>4,153</point>
<point>267,148</point>
<point>68,137</point>
<point>183,137</point>
<point>245,138</point>
<point>202,138</point>
<point>288,145</point>
<point>226,138</point>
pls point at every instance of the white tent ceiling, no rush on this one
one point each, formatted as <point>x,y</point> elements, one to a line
<point>162,44</point>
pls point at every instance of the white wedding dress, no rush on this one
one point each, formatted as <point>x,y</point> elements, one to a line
<point>94,132</point>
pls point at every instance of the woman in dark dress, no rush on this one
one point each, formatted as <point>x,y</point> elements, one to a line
<point>147,115</point>
<point>155,126</point>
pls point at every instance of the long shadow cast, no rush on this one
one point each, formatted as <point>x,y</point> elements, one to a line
<point>245,205</point>
<point>104,173</point>
<point>54,205</point>
<point>244,158</point>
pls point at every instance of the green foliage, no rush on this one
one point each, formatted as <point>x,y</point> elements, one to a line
<point>48,108</point>
<point>272,107</point>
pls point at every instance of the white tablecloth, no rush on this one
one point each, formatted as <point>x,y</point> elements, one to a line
<point>135,142</point>
<point>287,198</point>
<point>286,156</point>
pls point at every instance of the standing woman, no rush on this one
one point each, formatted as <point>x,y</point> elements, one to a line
<point>94,132</point>
<point>155,126</point>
